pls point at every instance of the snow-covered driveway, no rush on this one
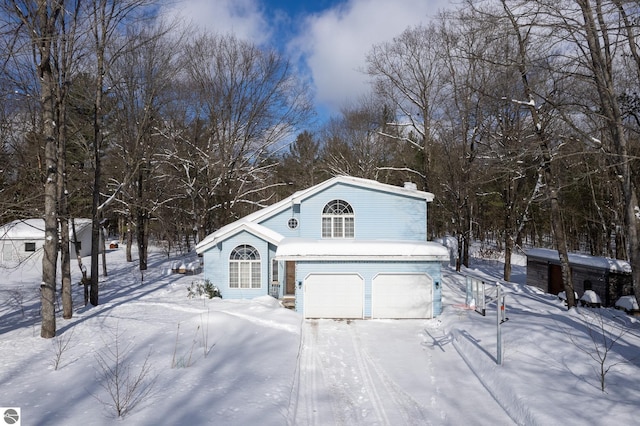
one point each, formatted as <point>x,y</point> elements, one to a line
<point>386,372</point>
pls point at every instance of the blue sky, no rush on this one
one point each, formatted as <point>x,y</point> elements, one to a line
<point>294,7</point>
<point>328,38</point>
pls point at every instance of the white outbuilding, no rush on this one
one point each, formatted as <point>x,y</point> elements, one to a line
<point>24,239</point>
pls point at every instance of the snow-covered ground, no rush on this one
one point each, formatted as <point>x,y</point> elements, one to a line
<point>252,362</point>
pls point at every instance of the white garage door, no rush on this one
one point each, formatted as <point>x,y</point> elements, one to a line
<point>402,296</point>
<point>333,296</point>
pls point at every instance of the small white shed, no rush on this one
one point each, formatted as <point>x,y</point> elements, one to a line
<point>22,239</point>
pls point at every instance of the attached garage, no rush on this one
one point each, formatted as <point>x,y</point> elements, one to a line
<point>402,296</point>
<point>365,279</point>
<point>334,296</point>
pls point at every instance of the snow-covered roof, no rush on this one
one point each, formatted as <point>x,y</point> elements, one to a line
<point>234,228</point>
<point>32,229</point>
<point>614,265</point>
<point>258,216</point>
<point>357,250</point>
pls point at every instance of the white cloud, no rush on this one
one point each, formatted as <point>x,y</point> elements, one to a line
<point>244,18</point>
<point>336,42</point>
<point>331,44</point>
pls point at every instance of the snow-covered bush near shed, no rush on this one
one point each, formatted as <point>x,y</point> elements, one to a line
<point>628,303</point>
<point>563,295</point>
<point>591,298</point>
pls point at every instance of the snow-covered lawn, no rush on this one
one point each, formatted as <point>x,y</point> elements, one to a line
<point>252,362</point>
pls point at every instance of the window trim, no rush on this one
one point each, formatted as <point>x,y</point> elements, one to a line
<point>293,223</point>
<point>245,264</point>
<point>338,220</point>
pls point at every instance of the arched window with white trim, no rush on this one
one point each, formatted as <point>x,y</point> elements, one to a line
<point>244,267</point>
<point>338,220</point>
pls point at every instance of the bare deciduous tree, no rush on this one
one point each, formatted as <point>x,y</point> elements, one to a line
<point>141,79</point>
<point>360,142</point>
<point>105,18</point>
<point>40,20</point>
<point>606,29</point>
<point>522,20</point>
<point>245,102</point>
<point>124,387</point>
<point>408,73</point>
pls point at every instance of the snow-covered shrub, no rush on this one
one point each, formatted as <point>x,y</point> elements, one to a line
<point>590,298</point>
<point>201,288</point>
<point>563,296</point>
<point>627,303</point>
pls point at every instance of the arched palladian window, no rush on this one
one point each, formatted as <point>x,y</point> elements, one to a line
<point>338,220</point>
<point>244,267</point>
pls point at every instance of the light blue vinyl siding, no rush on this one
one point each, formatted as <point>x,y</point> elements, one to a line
<point>378,215</point>
<point>279,222</point>
<point>216,266</point>
<point>368,271</point>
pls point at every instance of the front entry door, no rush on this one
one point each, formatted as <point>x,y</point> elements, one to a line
<point>290,277</point>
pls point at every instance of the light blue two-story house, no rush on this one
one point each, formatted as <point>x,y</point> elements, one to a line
<point>345,248</point>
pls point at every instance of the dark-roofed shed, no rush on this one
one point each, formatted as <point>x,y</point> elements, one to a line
<point>609,278</point>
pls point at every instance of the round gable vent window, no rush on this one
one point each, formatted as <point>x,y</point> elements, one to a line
<point>293,223</point>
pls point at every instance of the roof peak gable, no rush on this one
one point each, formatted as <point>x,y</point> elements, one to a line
<point>301,195</point>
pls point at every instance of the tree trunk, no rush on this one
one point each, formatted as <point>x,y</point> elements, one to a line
<point>600,46</point>
<point>47,19</point>
<point>142,218</point>
<point>103,248</point>
<point>129,240</point>
<point>468,235</point>
<point>549,177</point>
<point>631,224</point>
<point>95,221</point>
<point>142,238</point>
<point>63,206</point>
<point>85,281</point>
<point>97,174</point>
<point>50,256</point>
<point>508,250</point>
<point>557,227</point>
<point>65,269</point>
<point>460,252</point>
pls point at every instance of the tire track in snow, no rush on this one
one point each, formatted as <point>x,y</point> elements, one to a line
<point>340,383</point>
<point>325,395</point>
<point>311,364</point>
<point>392,404</point>
<point>348,377</point>
<point>305,407</point>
